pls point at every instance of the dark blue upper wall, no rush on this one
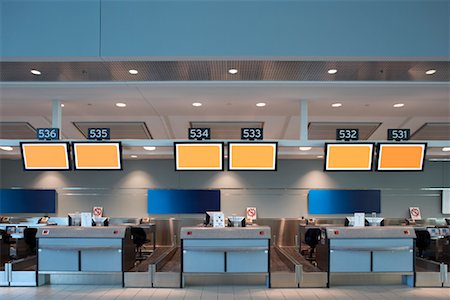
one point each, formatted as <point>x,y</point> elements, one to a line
<point>90,29</point>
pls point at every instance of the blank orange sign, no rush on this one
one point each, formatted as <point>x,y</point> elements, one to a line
<point>252,156</point>
<point>349,157</point>
<point>97,156</point>
<point>199,156</point>
<point>397,157</point>
<point>45,156</point>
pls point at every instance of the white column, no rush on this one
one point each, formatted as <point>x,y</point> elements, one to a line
<point>303,120</point>
<point>56,114</point>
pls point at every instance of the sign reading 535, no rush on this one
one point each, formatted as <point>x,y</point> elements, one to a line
<point>99,133</point>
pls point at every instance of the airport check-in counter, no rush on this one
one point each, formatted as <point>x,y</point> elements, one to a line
<point>368,252</point>
<point>237,251</point>
<point>73,250</point>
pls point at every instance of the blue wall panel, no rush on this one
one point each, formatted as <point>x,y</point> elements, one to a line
<point>182,201</point>
<point>27,201</point>
<point>343,201</point>
<point>50,28</point>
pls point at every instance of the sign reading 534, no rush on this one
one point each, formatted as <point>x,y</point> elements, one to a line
<point>199,133</point>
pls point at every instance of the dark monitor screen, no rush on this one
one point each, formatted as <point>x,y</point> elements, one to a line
<point>343,201</point>
<point>27,201</point>
<point>183,201</point>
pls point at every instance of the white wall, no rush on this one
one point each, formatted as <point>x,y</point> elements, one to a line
<point>275,194</point>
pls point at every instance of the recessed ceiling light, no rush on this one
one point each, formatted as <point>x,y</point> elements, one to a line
<point>304,148</point>
<point>233,71</point>
<point>35,72</point>
<point>319,156</point>
<point>430,72</point>
<point>133,156</point>
<point>133,72</point>
<point>336,105</point>
<point>150,148</point>
<point>62,105</point>
<point>332,71</point>
<point>119,104</point>
<point>446,149</point>
<point>398,105</point>
<point>6,148</point>
<point>197,104</point>
<point>261,104</point>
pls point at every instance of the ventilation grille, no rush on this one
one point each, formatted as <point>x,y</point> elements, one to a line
<point>432,131</point>
<point>218,70</point>
<point>17,131</point>
<point>226,130</point>
<point>119,130</point>
<point>327,130</point>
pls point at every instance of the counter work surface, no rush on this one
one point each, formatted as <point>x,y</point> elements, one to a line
<point>371,232</point>
<point>249,232</point>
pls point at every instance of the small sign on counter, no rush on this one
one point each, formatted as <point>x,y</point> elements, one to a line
<point>415,213</point>
<point>360,219</point>
<point>86,219</point>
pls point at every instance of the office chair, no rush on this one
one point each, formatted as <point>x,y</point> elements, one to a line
<point>423,241</point>
<point>29,235</point>
<point>312,238</point>
<point>139,238</point>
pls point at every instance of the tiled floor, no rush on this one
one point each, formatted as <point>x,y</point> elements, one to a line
<point>69,292</point>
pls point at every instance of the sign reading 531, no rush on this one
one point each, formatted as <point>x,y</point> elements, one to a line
<point>398,134</point>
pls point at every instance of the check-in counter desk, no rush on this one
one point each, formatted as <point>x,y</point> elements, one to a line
<point>237,251</point>
<point>379,252</point>
<point>67,251</point>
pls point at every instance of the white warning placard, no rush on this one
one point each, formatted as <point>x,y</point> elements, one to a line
<point>251,213</point>
<point>415,213</point>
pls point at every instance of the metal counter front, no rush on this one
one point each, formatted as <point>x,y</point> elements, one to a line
<point>64,250</point>
<point>369,250</point>
<point>237,251</point>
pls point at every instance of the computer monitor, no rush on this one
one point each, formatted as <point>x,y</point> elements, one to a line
<point>74,219</point>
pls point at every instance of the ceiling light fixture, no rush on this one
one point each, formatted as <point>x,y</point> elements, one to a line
<point>133,156</point>
<point>261,104</point>
<point>319,156</point>
<point>197,104</point>
<point>35,72</point>
<point>446,149</point>
<point>150,148</point>
<point>430,72</point>
<point>304,148</point>
<point>332,71</point>
<point>397,105</point>
<point>6,148</point>
<point>336,105</point>
<point>119,104</point>
<point>62,105</point>
<point>133,72</point>
<point>232,71</point>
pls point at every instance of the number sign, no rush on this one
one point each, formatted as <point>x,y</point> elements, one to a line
<point>47,133</point>
<point>347,134</point>
<point>199,133</point>
<point>251,133</point>
<point>398,134</point>
<point>99,134</point>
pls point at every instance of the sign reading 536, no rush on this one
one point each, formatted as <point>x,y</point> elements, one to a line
<point>251,133</point>
<point>47,133</point>
<point>99,133</point>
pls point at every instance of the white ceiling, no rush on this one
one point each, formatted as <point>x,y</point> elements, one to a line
<point>166,106</point>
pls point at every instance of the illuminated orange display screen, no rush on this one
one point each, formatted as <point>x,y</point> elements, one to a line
<point>97,156</point>
<point>45,156</point>
<point>198,156</point>
<point>401,157</point>
<point>252,156</point>
<point>348,157</point>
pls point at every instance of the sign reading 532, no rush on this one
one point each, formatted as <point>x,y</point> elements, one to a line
<point>347,134</point>
<point>251,133</point>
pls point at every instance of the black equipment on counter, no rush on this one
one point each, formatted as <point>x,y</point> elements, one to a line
<point>312,238</point>
<point>139,238</point>
<point>423,241</point>
<point>29,235</point>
